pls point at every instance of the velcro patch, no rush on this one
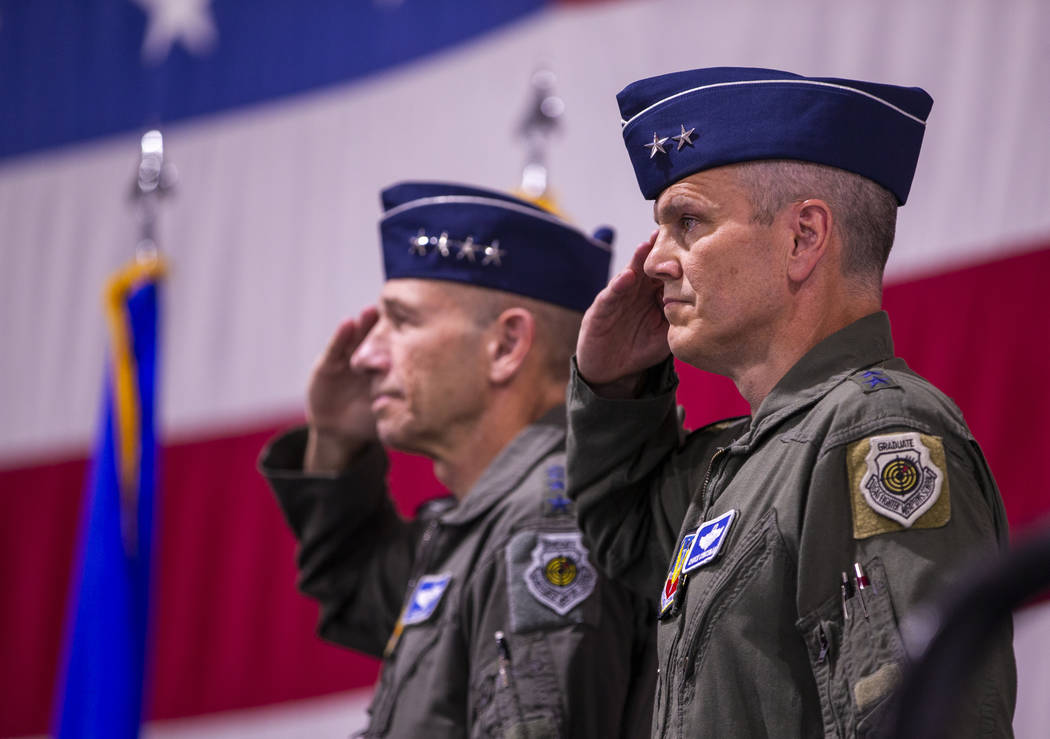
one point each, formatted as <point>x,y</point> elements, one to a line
<point>674,575</point>
<point>548,578</point>
<point>708,541</point>
<point>897,482</point>
<point>425,598</point>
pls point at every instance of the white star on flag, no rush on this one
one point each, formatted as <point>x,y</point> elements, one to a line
<point>189,22</point>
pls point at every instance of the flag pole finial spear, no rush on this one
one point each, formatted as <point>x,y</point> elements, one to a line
<point>541,121</point>
<point>154,179</point>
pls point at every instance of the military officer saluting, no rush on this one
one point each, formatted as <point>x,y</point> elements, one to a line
<point>489,614</point>
<point>786,547</point>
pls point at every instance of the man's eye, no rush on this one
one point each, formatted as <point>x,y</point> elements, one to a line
<point>688,222</point>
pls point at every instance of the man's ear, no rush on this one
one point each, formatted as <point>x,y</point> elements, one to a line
<point>812,223</point>
<point>510,342</point>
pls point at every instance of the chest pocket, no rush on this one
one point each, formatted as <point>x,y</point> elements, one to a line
<point>408,662</point>
<point>714,593</point>
<point>712,608</point>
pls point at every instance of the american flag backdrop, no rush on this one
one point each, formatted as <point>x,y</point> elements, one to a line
<point>285,120</point>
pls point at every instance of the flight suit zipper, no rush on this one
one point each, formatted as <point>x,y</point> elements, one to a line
<point>386,693</point>
<point>665,678</point>
<point>705,498</point>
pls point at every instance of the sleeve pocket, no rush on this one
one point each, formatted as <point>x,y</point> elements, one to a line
<point>518,697</point>
<point>856,661</point>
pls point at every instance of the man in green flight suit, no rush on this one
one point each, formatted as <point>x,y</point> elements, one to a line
<point>490,617</point>
<point>788,546</point>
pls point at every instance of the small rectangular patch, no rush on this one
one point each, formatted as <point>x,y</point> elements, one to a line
<point>871,689</point>
<point>425,598</point>
<point>707,542</point>
<point>898,482</point>
<point>873,379</point>
<point>674,576</point>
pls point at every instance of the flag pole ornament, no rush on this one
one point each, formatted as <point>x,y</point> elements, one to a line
<point>540,124</point>
<point>724,115</point>
<point>471,235</point>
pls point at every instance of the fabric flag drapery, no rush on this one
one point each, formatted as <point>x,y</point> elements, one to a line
<point>101,690</point>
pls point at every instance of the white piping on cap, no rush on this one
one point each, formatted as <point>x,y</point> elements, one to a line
<point>492,202</point>
<point>876,98</point>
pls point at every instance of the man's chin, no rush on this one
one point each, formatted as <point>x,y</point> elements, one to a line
<point>686,347</point>
<point>399,438</point>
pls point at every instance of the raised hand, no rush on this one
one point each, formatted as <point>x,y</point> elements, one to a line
<point>338,407</point>
<point>624,332</point>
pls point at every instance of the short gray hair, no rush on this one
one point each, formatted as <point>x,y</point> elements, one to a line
<point>865,212</point>
<point>557,328</point>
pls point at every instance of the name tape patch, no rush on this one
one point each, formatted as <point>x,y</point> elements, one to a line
<point>425,598</point>
<point>707,544</point>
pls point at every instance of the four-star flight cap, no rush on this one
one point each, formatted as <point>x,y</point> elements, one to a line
<point>677,124</point>
<point>445,231</point>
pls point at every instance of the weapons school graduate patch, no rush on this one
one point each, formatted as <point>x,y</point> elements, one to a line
<point>674,576</point>
<point>548,576</point>
<point>897,482</point>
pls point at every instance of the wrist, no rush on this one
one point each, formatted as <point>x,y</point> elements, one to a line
<point>622,388</point>
<point>328,453</point>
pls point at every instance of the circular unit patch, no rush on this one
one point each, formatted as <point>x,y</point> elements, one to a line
<point>560,571</point>
<point>901,476</point>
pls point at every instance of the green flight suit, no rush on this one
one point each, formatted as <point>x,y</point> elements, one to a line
<point>501,626</point>
<point>757,639</point>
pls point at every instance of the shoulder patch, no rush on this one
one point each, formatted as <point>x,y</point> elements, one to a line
<point>873,379</point>
<point>898,482</point>
<point>548,579</point>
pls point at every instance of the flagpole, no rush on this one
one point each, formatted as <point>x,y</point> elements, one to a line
<point>103,680</point>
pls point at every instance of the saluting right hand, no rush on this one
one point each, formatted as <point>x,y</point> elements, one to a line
<point>338,407</point>
<point>624,332</point>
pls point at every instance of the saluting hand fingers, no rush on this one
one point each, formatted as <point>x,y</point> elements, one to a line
<point>349,334</point>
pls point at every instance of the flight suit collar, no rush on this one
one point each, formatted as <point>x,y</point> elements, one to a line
<point>863,343</point>
<point>510,466</point>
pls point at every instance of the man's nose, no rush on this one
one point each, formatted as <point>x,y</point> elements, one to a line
<point>661,263</point>
<point>371,354</point>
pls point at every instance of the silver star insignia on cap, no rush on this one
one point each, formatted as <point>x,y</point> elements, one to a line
<point>419,244</point>
<point>685,137</point>
<point>442,244</point>
<point>656,146</point>
<point>467,249</point>
<point>493,254</point>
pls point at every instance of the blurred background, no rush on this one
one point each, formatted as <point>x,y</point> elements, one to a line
<point>284,121</point>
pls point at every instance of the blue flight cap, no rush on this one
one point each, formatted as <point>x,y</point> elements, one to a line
<point>677,124</point>
<point>446,231</point>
